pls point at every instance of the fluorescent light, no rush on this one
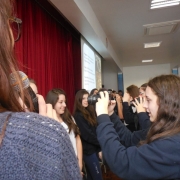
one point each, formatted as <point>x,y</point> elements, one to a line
<point>160,6</point>
<point>152,44</point>
<point>157,1</point>
<point>150,60</point>
<point>163,3</point>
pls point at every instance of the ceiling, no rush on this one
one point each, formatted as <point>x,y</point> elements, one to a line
<point>115,28</point>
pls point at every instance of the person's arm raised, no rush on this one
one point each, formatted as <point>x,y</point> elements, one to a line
<point>46,109</point>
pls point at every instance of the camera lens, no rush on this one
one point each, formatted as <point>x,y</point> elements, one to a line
<point>93,99</point>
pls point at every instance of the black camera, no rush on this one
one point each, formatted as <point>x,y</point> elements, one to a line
<point>138,99</point>
<point>93,99</point>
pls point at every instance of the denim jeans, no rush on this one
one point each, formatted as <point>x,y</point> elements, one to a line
<point>92,167</point>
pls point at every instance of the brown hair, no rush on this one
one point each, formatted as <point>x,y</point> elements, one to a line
<point>8,64</point>
<point>52,98</point>
<point>133,91</point>
<point>167,89</point>
<point>92,91</point>
<point>88,112</point>
<point>8,97</point>
<point>32,81</point>
<point>144,86</point>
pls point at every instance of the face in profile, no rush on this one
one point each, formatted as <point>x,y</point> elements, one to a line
<point>95,92</point>
<point>60,106</point>
<point>120,93</point>
<point>141,92</point>
<point>151,104</point>
<point>85,100</point>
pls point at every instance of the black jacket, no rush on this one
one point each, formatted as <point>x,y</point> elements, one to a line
<point>88,135</point>
<point>130,117</point>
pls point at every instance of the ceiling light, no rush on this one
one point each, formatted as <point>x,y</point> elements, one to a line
<point>157,1</point>
<point>163,3</point>
<point>150,60</point>
<point>153,44</point>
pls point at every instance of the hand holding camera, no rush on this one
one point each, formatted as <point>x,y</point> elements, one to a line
<point>102,103</point>
<point>138,103</point>
<point>111,106</point>
<point>118,98</point>
<point>94,98</point>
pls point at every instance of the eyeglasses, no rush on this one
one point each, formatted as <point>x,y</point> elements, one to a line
<point>16,27</point>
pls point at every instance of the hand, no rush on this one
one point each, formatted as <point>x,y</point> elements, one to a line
<point>100,155</point>
<point>118,98</point>
<point>102,104</point>
<point>23,105</point>
<point>80,167</point>
<point>46,109</point>
<point>139,105</point>
<point>111,106</point>
<point>126,97</point>
<point>82,174</point>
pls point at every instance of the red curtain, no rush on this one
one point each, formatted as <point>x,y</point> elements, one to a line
<point>47,52</point>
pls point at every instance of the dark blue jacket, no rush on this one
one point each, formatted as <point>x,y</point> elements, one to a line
<point>127,137</point>
<point>157,160</point>
<point>133,119</point>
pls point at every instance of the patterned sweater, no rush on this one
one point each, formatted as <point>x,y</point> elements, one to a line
<point>36,147</point>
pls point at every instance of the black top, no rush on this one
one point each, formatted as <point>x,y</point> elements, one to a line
<point>88,135</point>
<point>130,117</point>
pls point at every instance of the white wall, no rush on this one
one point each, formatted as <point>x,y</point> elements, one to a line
<point>110,75</point>
<point>139,75</point>
<point>175,62</point>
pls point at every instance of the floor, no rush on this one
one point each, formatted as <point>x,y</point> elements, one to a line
<point>108,175</point>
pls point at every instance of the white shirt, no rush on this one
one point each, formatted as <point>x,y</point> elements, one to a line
<point>71,136</point>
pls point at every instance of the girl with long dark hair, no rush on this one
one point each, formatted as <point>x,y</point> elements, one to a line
<point>156,157</point>
<point>129,111</point>
<point>57,97</point>
<point>85,118</point>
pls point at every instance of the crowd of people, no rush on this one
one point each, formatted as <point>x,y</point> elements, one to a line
<point>137,133</point>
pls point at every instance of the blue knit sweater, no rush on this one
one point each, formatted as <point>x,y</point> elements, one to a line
<point>36,147</point>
